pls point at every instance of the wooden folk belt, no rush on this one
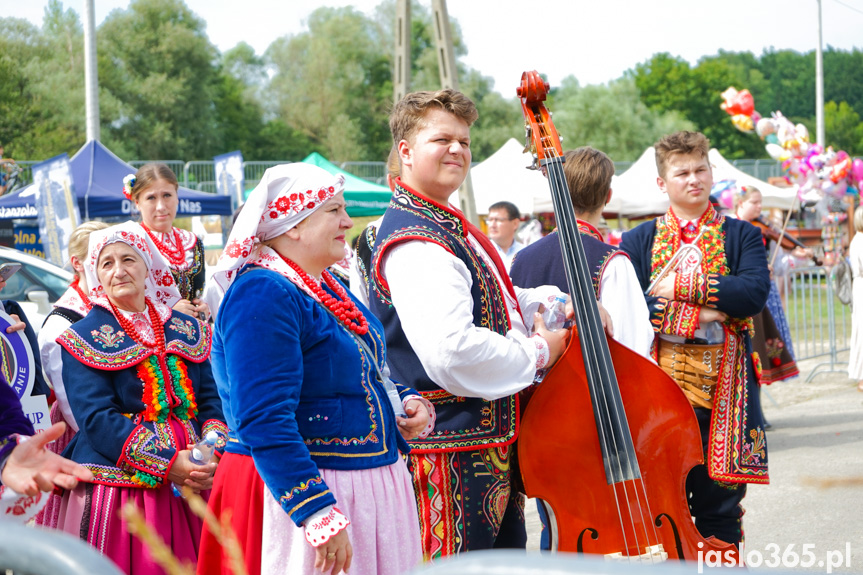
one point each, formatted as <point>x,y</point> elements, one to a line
<point>695,368</point>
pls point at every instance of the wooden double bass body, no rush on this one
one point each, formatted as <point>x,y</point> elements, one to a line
<point>606,443</point>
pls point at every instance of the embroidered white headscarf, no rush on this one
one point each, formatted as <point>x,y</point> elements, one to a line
<point>285,196</point>
<point>159,285</point>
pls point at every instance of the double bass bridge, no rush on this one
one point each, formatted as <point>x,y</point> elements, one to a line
<point>652,554</point>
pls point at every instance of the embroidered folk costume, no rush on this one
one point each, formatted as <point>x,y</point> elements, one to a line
<point>314,440</point>
<point>182,249</point>
<point>140,388</point>
<point>733,278</point>
<point>772,338</point>
<point>612,275</point>
<point>184,252</point>
<point>455,332</point>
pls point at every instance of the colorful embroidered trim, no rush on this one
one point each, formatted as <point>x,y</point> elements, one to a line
<point>157,406</point>
<point>142,460</point>
<point>735,452</point>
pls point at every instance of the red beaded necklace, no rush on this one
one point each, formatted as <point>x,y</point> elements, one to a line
<point>342,307</point>
<point>132,331</point>
<point>84,297</point>
<point>176,255</point>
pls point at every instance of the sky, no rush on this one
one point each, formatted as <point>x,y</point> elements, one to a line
<point>594,40</point>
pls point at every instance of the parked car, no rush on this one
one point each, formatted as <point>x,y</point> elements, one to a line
<point>36,286</point>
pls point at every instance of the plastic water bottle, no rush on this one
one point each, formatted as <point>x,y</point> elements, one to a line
<point>203,451</point>
<point>555,315</point>
<point>714,333</point>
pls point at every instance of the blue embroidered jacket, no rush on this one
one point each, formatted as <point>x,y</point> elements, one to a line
<point>101,366</point>
<point>737,449</point>
<point>461,423</point>
<point>299,392</point>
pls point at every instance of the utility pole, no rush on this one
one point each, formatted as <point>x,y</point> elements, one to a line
<point>402,60</point>
<point>819,87</point>
<point>449,79</point>
<point>91,76</point>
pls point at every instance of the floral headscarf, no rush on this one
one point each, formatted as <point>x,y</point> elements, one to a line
<point>159,285</point>
<point>287,194</point>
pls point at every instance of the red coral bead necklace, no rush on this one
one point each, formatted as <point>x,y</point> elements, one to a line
<point>84,297</point>
<point>343,307</point>
<point>132,331</point>
<point>176,255</point>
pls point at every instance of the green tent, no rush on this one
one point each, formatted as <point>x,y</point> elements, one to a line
<point>363,198</point>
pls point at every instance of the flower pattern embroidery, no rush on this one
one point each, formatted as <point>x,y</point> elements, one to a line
<point>184,327</point>
<point>107,338</point>
<point>288,205</point>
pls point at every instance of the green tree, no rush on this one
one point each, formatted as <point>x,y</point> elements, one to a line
<point>610,118</point>
<point>42,96</point>
<point>842,128</point>
<point>669,83</point>
<point>157,63</point>
<point>329,84</point>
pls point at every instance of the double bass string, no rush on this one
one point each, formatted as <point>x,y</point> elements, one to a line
<point>589,323</point>
<point>597,362</point>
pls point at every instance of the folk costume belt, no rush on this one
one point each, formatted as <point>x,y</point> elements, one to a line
<point>695,368</point>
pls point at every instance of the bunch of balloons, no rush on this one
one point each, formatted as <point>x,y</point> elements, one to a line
<point>816,172</point>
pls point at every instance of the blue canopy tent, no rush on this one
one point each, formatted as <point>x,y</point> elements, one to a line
<point>98,177</point>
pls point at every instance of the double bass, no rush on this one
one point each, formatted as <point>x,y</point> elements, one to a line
<point>607,439</point>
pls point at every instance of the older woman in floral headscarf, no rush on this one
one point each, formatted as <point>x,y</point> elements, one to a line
<point>312,473</point>
<point>139,383</point>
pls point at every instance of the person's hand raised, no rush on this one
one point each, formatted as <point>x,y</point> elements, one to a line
<point>31,468</point>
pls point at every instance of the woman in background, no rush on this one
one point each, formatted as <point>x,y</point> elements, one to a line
<point>855,254</point>
<point>72,306</point>
<point>153,188</point>
<point>772,339</point>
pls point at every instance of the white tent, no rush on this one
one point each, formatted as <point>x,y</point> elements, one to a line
<point>635,193</point>
<point>504,176</point>
<point>772,196</point>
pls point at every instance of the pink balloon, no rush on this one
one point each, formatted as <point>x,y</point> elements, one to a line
<point>857,170</point>
<point>726,199</point>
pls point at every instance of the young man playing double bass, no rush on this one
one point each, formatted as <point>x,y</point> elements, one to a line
<point>701,309</point>
<point>457,330</point>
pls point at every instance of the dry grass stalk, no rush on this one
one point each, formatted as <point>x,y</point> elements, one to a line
<point>222,531</point>
<point>160,552</point>
<point>835,482</point>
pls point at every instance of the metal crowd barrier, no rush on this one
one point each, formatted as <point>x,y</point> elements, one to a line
<point>820,324</point>
<point>34,551</point>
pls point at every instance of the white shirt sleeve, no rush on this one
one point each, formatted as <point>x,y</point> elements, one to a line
<point>621,295</point>
<point>357,284</point>
<point>430,291</point>
<point>52,364</point>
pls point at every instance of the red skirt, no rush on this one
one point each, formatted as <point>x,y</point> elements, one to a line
<point>238,489</point>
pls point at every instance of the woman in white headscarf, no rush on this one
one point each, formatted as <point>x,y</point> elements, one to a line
<point>139,383</point>
<point>313,473</point>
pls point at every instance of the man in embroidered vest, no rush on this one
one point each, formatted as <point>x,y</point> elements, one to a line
<point>588,174</point>
<point>701,309</point>
<point>457,331</point>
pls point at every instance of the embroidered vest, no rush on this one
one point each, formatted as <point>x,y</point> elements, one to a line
<point>462,423</point>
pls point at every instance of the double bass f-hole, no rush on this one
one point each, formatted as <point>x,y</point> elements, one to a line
<point>607,438</point>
